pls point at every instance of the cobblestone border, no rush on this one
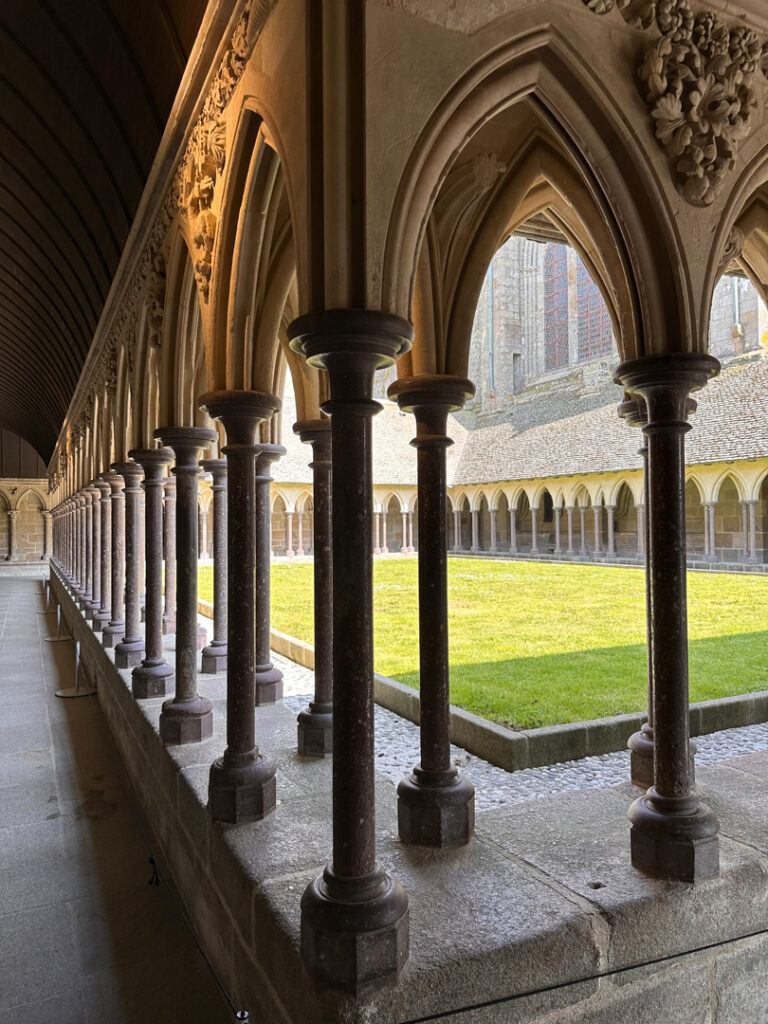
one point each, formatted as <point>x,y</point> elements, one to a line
<point>531,748</point>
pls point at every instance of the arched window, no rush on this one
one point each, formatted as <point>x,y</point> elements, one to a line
<point>555,306</point>
<point>595,329</point>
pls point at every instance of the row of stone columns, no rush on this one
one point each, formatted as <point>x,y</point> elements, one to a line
<point>355,902</point>
<point>583,550</point>
<point>380,533</point>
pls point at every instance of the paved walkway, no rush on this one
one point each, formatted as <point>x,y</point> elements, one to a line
<point>83,937</point>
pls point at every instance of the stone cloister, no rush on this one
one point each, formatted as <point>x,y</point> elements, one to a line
<point>323,199</point>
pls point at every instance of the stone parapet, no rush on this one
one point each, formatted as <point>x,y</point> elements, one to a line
<point>540,918</point>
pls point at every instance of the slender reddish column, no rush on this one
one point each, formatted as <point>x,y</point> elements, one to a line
<point>315,729</point>
<point>242,782</point>
<point>186,717</point>
<point>436,806</point>
<point>269,679</point>
<point>103,615</point>
<point>154,675</point>
<point>114,630</point>
<point>355,905</point>
<point>169,554</point>
<point>674,834</point>
<point>215,654</point>
<point>130,650</point>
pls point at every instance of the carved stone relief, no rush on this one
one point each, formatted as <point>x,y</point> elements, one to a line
<point>701,82</point>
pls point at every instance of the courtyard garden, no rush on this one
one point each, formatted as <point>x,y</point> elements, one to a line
<point>535,644</point>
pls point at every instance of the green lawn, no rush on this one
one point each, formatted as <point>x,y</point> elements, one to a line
<point>536,644</point>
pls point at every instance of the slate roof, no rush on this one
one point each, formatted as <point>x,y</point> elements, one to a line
<point>731,422</point>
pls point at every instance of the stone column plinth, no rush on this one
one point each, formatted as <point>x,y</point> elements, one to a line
<point>130,650</point>
<point>186,717</point>
<point>315,725</point>
<point>269,680</point>
<point>114,630</point>
<point>169,554</point>
<point>154,676</point>
<point>241,784</point>
<point>102,616</point>
<point>674,834</point>
<point>355,905</point>
<point>215,654</point>
<point>436,806</point>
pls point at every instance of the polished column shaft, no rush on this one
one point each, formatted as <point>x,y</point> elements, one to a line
<point>241,784</point>
<point>130,650</point>
<point>674,835</point>
<point>269,679</point>
<point>354,905</point>
<point>186,717</point>
<point>114,630</point>
<point>315,725</point>
<point>435,804</point>
<point>102,616</point>
<point>169,554</point>
<point>154,675</point>
<point>215,654</point>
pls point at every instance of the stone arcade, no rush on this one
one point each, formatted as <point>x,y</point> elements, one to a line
<point>330,186</point>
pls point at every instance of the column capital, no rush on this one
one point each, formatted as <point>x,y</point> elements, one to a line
<point>351,344</point>
<point>46,513</point>
<point>430,397</point>
<point>665,382</point>
<point>131,472</point>
<point>103,488</point>
<point>240,412</point>
<point>12,513</point>
<point>218,470</point>
<point>153,461</point>
<point>186,443</point>
<point>114,480</point>
<point>265,455</point>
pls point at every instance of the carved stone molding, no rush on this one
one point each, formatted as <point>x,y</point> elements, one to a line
<point>700,80</point>
<point>733,248</point>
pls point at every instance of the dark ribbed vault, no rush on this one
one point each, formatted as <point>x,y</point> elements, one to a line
<point>85,91</point>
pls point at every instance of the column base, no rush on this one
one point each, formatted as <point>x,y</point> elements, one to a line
<point>215,657</point>
<point>269,684</point>
<point>100,620</point>
<point>90,610</point>
<point>112,633</point>
<point>674,838</point>
<point>186,721</point>
<point>640,745</point>
<point>151,679</point>
<point>354,934</point>
<point>241,792</point>
<point>129,652</point>
<point>440,814</point>
<point>315,731</point>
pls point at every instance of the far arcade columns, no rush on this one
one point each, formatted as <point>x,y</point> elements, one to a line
<point>215,654</point>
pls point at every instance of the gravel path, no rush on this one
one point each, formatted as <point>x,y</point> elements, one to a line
<point>397,749</point>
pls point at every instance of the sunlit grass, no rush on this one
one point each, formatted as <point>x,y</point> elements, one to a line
<point>535,643</point>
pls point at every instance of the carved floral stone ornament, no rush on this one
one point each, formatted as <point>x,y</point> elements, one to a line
<point>700,80</point>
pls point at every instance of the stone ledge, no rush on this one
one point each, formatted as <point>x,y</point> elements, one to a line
<point>541,915</point>
<point>530,748</point>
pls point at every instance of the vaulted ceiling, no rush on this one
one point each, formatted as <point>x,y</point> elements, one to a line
<point>85,92</point>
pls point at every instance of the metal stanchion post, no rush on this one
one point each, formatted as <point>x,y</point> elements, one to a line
<point>75,691</point>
